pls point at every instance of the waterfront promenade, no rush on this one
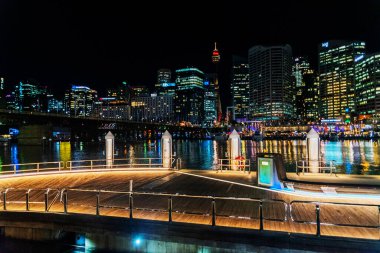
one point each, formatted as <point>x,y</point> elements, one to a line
<point>227,199</point>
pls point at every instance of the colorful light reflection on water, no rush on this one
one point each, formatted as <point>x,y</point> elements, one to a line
<point>352,157</point>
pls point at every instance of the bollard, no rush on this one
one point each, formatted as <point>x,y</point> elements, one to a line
<point>27,200</point>
<point>317,210</point>
<point>5,200</point>
<point>170,208</point>
<point>65,202</point>
<point>46,200</point>
<point>213,207</point>
<point>97,203</point>
<point>261,216</point>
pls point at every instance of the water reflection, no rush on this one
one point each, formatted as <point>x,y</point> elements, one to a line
<point>352,157</point>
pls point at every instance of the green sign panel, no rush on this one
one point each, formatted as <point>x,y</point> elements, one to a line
<point>265,171</point>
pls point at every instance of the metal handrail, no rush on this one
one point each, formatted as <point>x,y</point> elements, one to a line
<point>246,163</point>
<point>318,222</point>
<point>84,164</point>
<point>332,166</point>
<point>37,167</point>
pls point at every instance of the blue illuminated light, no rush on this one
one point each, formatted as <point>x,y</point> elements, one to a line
<point>206,83</point>
<point>325,44</point>
<point>137,241</point>
<point>358,58</point>
<point>168,84</point>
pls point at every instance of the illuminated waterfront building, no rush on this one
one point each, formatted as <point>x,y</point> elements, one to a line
<point>80,101</point>
<point>240,87</point>
<point>336,70</point>
<point>29,97</point>
<point>210,110</point>
<point>306,90</point>
<point>121,93</point>
<point>270,76</point>
<point>153,108</point>
<point>367,86</point>
<point>164,83</point>
<point>189,96</point>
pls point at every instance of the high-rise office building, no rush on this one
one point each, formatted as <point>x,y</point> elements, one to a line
<point>164,85</point>
<point>306,90</point>
<point>30,97</point>
<point>210,106</point>
<point>270,76</point>
<point>367,87</point>
<point>189,97</point>
<point>240,87</point>
<point>80,100</point>
<point>153,108</point>
<point>336,70</point>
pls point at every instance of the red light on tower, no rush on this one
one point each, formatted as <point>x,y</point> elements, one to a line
<point>215,55</point>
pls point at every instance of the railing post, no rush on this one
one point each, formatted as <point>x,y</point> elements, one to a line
<point>71,164</point>
<point>170,208</point>
<point>14,168</point>
<point>27,200</point>
<point>97,203</point>
<point>91,164</point>
<point>213,208</point>
<point>130,206</point>
<point>5,200</point>
<point>150,162</point>
<point>317,210</point>
<point>303,167</point>
<point>46,200</point>
<point>261,228</point>
<point>38,167</point>
<point>130,199</point>
<point>65,201</point>
<point>331,166</point>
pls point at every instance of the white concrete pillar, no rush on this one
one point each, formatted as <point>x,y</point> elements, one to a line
<point>110,149</point>
<point>166,149</point>
<point>313,150</point>
<point>235,148</point>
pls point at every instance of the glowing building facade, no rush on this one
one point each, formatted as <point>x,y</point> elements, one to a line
<point>270,75</point>
<point>367,87</point>
<point>240,88</point>
<point>79,101</point>
<point>336,71</point>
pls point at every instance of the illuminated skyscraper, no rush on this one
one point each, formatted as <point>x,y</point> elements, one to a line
<point>79,101</point>
<point>210,100</point>
<point>336,69</point>
<point>240,87</point>
<point>270,71</point>
<point>216,59</point>
<point>189,96</point>
<point>367,87</point>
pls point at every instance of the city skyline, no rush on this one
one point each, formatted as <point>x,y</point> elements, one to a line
<point>101,45</point>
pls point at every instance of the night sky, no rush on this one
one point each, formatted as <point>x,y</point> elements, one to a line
<point>101,43</point>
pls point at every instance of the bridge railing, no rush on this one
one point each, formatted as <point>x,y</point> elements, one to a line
<point>319,218</point>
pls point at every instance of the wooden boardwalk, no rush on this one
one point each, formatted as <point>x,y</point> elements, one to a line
<point>242,213</point>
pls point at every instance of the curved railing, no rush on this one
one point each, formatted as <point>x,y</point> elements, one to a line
<point>248,213</point>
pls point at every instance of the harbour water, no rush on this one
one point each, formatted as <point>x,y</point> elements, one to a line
<point>350,156</point>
